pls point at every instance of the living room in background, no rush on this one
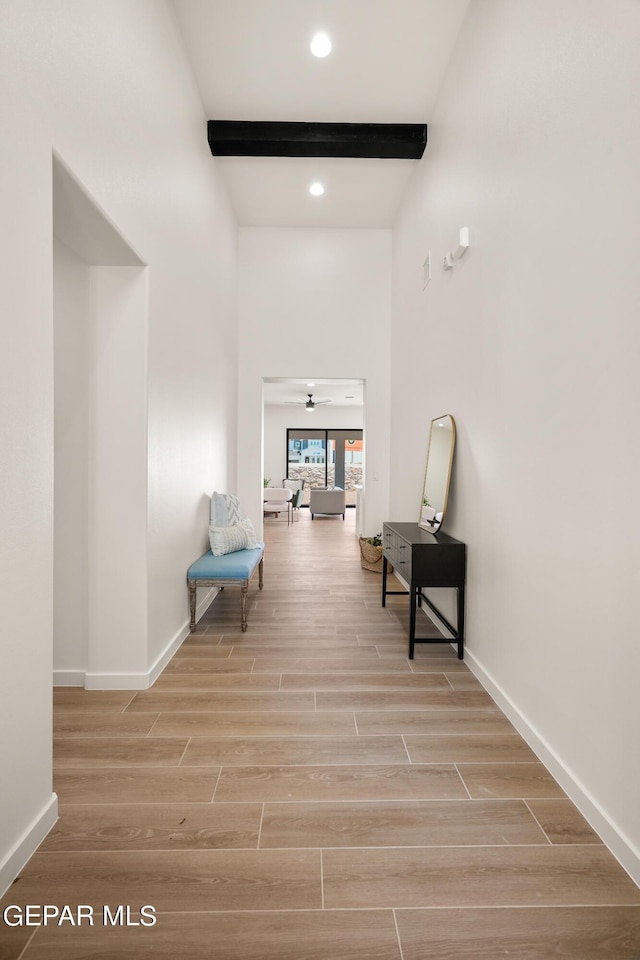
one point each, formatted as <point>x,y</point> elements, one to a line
<point>326,457</point>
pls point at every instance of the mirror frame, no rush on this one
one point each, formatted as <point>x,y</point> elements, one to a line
<point>432,526</point>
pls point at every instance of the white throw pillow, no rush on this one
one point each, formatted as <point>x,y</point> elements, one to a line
<point>225,510</point>
<point>238,536</point>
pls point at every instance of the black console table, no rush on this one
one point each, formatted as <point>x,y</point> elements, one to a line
<point>423,560</point>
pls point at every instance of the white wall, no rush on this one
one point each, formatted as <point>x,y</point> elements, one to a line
<point>106,86</point>
<point>72,337</point>
<point>532,343</point>
<point>117,469</point>
<point>314,304</point>
<point>28,806</point>
<point>100,471</point>
<point>278,419</point>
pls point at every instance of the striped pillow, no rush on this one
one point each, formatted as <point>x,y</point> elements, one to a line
<point>237,536</point>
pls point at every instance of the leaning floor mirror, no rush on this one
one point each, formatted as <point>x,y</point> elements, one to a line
<point>435,492</point>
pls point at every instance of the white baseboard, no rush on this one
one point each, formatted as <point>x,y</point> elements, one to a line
<point>206,601</point>
<point>182,635</point>
<point>27,845</point>
<point>68,678</point>
<point>623,850</point>
<point>142,681</point>
<point>117,681</point>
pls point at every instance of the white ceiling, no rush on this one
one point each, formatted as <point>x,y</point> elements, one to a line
<point>342,393</point>
<point>251,60</point>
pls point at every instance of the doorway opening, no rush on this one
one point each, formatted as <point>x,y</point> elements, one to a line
<point>324,446</point>
<point>100,443</point>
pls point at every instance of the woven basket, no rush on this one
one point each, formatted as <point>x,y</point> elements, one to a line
<point>370,556</point>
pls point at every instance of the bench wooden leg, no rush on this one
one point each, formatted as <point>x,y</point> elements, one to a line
<point>192,605</point>
<point>260,584</point>
<point>244,589</point>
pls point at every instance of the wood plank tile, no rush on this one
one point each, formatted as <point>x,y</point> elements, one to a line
<point>562,822</point>
<point>287,642</point>
<point>159,701</point>
<point>135,784</point>
<point>403,700</point>
<point>478,748</point>
<point>202,649</point>
<point>276,633</point>
<point>275,751</point>
<point>425,722</point>
<point>399,823</point>
<point>432,650</point>
<point>194,664</point>
<point>102,724</point>
<point>340,653</point>
<point>367,782</point>
<point>90,701</point>
<point>277,935</point>
<point>118,751</point>
<point>365,681</point>
<point>176,880</point>
<point>570,933</point>
<point>422,663</point>
<point>280,643</point>
<point>509,780</point>
<point>394,654</point>
<point>13,940</point>
<point>470,876</point>
<point>463,681</point>
<point>156,826</point>
<point>346,664</point>
<point>254,724</point>
<point>370,787</point>
<point>216,681</point>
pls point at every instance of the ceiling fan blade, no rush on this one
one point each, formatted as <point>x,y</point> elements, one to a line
<point>309,403</point>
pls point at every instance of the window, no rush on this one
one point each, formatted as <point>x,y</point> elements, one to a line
<point>325,458</point>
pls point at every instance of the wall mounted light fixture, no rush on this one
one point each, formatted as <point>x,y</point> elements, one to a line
<point>463,245</point>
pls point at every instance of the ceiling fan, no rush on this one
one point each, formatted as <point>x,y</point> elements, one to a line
<point>309,404</point>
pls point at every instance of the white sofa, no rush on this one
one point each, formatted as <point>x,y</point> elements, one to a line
<point>330,500</point>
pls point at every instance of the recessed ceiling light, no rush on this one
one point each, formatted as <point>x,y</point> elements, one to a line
<point>311,384</point>
<point>320,45</point>
<point>316,189</point>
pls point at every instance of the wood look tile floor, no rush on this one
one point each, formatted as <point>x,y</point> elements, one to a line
<point>305,792</point>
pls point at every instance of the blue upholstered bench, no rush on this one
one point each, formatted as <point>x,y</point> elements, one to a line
<point>231,570</point>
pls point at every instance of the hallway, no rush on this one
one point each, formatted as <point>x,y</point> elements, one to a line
<point>304,792</point>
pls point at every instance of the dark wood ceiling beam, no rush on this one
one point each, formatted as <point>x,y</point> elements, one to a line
<point>257,138</point>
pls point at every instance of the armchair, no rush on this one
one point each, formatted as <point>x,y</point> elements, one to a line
<point>277,500</point>
<point>327,500</point>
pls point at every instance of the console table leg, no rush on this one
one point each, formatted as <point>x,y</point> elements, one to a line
<point>384,581</point>
<point>461,622</point>
<point>412,621</point>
